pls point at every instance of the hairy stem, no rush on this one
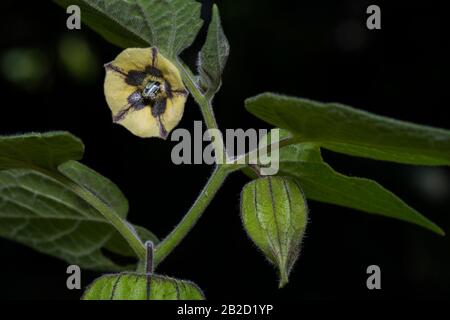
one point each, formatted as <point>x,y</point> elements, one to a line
<point>202,101</point>
<point>250,157</point>
<point>190,219</point>
<point>204,104</point>
<point>215,181</point>
<point>120,224</point>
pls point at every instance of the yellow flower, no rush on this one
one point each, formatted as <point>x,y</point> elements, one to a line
<point>145,92</point>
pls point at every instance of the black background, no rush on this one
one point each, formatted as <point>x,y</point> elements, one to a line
<point>315,49</point>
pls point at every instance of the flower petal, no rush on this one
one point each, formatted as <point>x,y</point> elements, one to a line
<point>117,91</point>
<point>141,123</point>
<point>125,81</point>
<point>174,112</point>
<point>134,59</point>
<point>169,71</point>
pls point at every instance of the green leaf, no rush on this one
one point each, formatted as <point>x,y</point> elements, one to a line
<point>213,56</point>
<point>35,150</point>
<point>274,214</point>
<point>134,286</point>
<point>42,213</point>
<point>117,245</point>
<point>321,183</point>
<point>100,186</point>
<point>108,192</point>
<point>170,25</point>
<point>347,130</point>
<point>40,209</point>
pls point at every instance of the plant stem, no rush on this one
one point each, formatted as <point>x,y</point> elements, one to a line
<point>235,164</point>
<point>120,224</point>
<point>190,219</point>
<point>204,103</point>
<point>215,181</point>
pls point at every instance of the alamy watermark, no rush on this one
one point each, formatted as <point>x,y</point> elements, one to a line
<point>373,22</point>
<point>74,20</point>
<point>249,147</point>
<point>374,280</point>
<point>74,279</point>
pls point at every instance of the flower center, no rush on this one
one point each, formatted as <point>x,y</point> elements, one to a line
<point>151,90</point>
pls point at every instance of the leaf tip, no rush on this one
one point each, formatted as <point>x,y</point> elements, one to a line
<point>215,8</point>
<point>440,231</point>
<point>284,279</point>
